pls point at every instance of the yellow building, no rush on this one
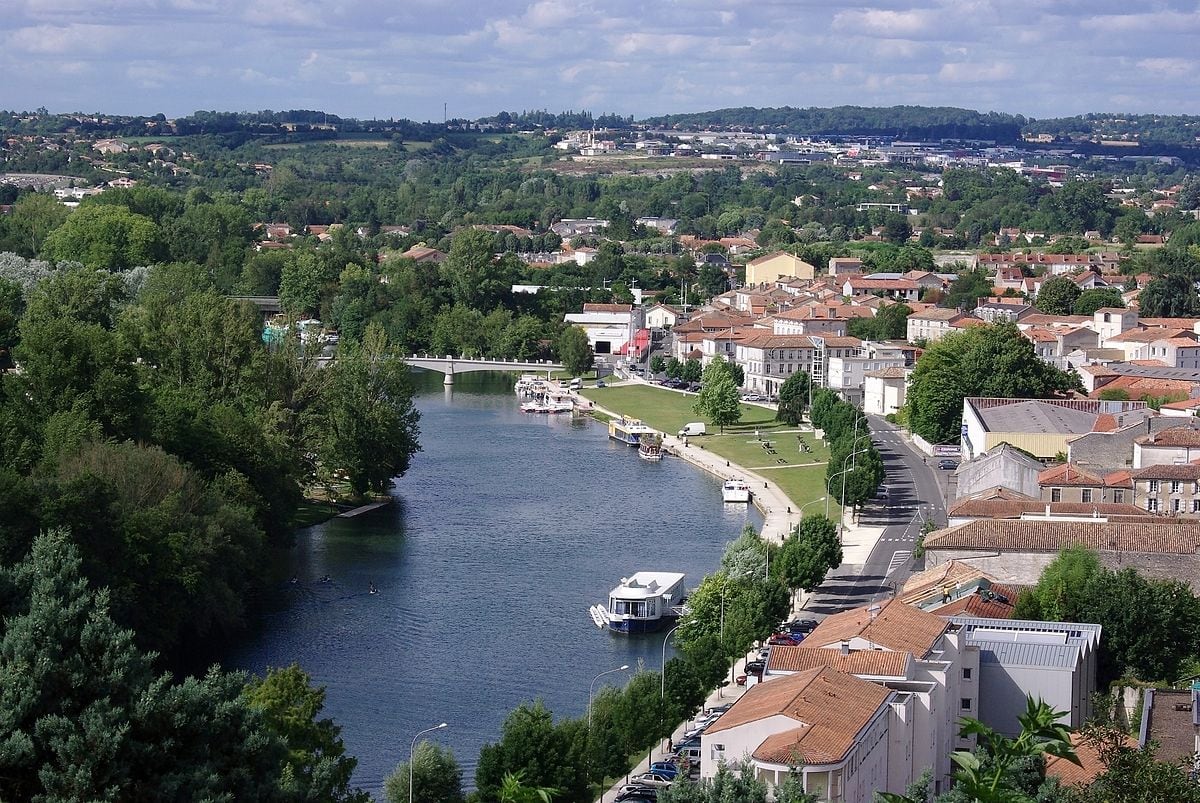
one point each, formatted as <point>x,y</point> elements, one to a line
<point>767,269</point>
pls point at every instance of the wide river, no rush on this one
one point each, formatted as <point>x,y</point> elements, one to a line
<point>505,530</point>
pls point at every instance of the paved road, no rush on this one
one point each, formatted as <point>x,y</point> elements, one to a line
<point>911,493</point>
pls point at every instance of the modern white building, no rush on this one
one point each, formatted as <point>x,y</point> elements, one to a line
<point>609,327</point>
<point>885,390</point>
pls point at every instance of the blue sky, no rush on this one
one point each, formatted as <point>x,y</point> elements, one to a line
<point>405,58</point>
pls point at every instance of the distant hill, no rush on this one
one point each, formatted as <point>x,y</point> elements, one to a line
<point>902,122</point>
<point>1164,129</point>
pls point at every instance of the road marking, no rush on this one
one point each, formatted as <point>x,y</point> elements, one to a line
<point>898,559</point>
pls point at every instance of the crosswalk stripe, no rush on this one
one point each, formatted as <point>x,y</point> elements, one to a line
<point>898,559</point>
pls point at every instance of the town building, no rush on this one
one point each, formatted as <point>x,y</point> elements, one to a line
<point>769,268</point>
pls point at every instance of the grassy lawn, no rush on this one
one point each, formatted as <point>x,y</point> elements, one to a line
<point>801,475</point>
<point>311,511</point>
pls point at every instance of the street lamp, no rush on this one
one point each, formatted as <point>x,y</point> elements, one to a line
<point>592,686</point>
<point>806,504</point>
<point>411,749</point>
<point>843,472</point>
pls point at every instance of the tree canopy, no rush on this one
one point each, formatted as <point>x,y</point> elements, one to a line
<point>993,360</point>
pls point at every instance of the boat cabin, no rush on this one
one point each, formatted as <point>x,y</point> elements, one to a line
<point>642,602</point>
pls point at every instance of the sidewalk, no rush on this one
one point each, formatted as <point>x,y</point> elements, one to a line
<point>779,516</point>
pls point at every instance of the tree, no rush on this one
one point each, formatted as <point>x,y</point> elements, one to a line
<point>475,277</point>
<point>1170,296</point>
<point>317,768</point>
<point>994,360</point>
<point>33,218</point>
<point>746,557</point>
<point>1098,298</point>
<point>540,753</point>
<point>435,774</point>
<point>87,717</point>
<point>364,422</point>
<point>891,322</point>
<point>808,553</point>
<point>718,398</point>
<point>1131,774</point>
<point>793,398</point>
<point>691,371</point>
<point>1057,296</point>
<point>574,351</point>
<point>674,368</point>
<point>657,364</point>
<point>1059,594</point>
<point>106,237</point>
<point>965,291</point>
<point>997,770</point>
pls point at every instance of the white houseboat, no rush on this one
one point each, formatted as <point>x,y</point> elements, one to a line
<point>628,430</point>
<point>641,603</point>
<point>650,448</point>
<point>735,491</point>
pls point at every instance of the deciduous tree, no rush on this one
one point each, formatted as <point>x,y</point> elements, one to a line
<point>718,398</point>
<point>1057,296</point>
<point>574,351</point>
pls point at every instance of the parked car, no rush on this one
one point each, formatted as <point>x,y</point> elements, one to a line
<point>764,653</point>
<point>755,668</point>
<point>652,779</point>
<point>947,465</point>
<point>600,383</point>
<point>646,795</point>
<point>785,639</point>
<point>668,769</point>
<point>804,626</point>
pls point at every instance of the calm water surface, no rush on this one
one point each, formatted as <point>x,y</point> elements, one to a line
<point>505,530</point>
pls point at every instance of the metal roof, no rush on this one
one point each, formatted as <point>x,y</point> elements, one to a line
<point>1044,656</point>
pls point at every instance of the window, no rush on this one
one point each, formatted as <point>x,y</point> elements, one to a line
<point>1196,505</point>
<point>1174,486</point>
<point>1152,505</point>
<point>966,673</point>
<point>1056,494</point>
<point>1174,505</point>
<point>1153,486</point>
<point>965,703</point>
<point>1086,495</point>
<point>1118,496</point>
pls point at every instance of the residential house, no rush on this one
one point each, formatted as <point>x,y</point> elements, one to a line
<point>661,316</point>
<point>1173,489</point>
<point>897,288</point>
<point>1171,719</point>
<point>840,266</point>
<point>1110,446</point>
<point>769,359</point>
<point>664,225</point>
<point>933,324</point>
<point>424,254</point>
<point>885,390</point>
<point>1000,309</point>
<point>767,269</point>
<point>1068,483</point>
<point>1174,445</point>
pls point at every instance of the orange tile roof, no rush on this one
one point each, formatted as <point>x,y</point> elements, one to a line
<point>1069,474</point>
<point>893,627</point>
<point>1173,437</point>
<point>830,709</point>
<point>880,663</point>
<point>1157,536</point>
<point>998,604</point>
<point>951,572</point>
<point>1015,508</point>
<point>1088,768</point>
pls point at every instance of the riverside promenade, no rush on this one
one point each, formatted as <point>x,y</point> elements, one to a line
<point>780,514</point>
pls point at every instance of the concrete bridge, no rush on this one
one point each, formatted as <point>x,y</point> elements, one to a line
<point>461,365</point>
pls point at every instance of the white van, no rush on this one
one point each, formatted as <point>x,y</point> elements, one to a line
<point>694,428</point>
<point>576,383</point>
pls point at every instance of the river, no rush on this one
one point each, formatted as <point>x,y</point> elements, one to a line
<point>505,530</point>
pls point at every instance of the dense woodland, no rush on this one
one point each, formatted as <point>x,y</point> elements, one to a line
<point>154,450</point>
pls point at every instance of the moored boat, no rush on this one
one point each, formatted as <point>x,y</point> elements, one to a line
<point>641,603</point>
<point>628,430</point>
<point>735,491</point>
<point>650,447</point>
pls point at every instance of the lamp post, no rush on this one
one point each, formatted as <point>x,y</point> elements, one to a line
<point>814,501</point>
<point>411,749</point>
<point>592,686</point>
<point>843,472</point>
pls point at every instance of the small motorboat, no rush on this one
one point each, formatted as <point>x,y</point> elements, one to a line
<point>735,491</point>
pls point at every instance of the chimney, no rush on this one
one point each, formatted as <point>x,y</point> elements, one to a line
<point>845,648</point>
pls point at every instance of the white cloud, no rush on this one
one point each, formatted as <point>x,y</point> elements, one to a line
<point>971,73</point>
